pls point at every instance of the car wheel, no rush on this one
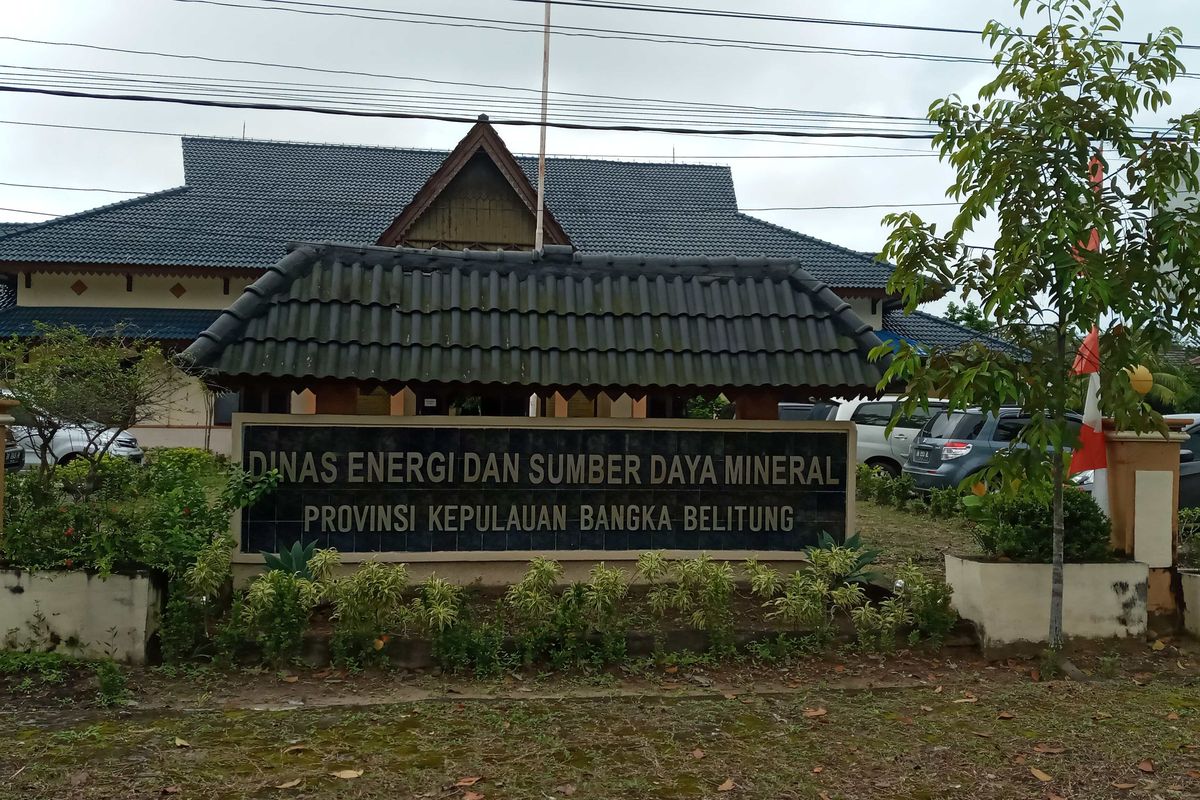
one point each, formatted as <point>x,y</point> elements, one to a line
<point>67,459</point>
<point>889,468</point>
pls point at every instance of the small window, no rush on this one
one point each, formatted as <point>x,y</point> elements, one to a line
<point>223,407</point>
<point>879,414</point>
<point>1009,428</point>
<point>959,425</point>
<point>919,417</point>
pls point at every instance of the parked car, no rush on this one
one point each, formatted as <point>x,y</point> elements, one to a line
<point>14,453</point>
<point>953,445</point>
<point>808,411</point>
<point>871,417</point>
<point>70,441</point>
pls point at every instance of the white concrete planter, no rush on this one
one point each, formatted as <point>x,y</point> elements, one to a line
<point>1009,602</point>
<point>1191,601</point>
<point>79,613</point>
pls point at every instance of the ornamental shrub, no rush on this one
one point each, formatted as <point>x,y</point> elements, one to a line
<point>1020,527</point>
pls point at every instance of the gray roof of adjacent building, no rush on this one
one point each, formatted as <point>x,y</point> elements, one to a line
<point>556,319</point>
<point>243,200</point>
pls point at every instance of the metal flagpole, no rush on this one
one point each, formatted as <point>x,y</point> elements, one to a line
<point>539,234</point>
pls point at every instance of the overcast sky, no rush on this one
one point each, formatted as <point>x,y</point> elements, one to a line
<point>666,71</point>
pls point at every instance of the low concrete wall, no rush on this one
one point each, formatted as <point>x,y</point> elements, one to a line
<point>79,613</point>
<point>1010,602</point>
<point>1191,601</point>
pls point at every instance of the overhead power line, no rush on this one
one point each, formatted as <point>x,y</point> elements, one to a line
<point>763,17</point>
<point>682,157</point>
<point>517,26</point>
<point>350,112</point>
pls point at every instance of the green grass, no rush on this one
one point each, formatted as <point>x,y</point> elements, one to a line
<point>909,743</point>
<point>901,535</point>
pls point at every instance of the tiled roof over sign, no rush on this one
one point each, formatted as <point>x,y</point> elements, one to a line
<point>558,320</point>
<point>245,199</point>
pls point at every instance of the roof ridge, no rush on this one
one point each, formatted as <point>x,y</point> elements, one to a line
<point>132,201</point>
<point>445,151</point>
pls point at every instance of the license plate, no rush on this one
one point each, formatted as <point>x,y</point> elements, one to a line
<point>921,456</point>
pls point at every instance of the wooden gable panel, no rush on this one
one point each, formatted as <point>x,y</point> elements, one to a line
<point>478,209</point>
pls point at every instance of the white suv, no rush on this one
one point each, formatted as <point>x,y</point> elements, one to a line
<point>872,417</point>
<point>71,441</point>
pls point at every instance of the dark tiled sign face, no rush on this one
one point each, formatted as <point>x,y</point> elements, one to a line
<point>397,489</point>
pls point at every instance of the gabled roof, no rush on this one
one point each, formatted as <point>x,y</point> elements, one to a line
<point>245,199</point>
<point>482,138</point>
<point>559,319</point>
<point>935,333</point>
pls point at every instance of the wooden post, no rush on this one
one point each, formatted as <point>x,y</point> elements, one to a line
<point>762,404</point>
<point>336,398</point>
<point>7,404</point>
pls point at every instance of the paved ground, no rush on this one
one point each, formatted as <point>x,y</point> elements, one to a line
<point>849,726</point>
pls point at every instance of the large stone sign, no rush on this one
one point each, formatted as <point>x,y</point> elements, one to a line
<point>412,488</point>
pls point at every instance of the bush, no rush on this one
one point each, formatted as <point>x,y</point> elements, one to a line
<point>929,604</point>
<point>368,607</point>
<point>945,502</point>
<point>698,590</point>
<point>124,517</point>
<point>866,482</point>
<point>276,611</point>
<point>1189,537</point>
<point>1020,527</point>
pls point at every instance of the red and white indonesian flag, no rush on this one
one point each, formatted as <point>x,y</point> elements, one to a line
<point>1092,453</point>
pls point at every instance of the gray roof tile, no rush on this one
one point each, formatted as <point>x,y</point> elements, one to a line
<point>402,315</point>
<point>245,199</point>
<point>151,323</point>
<point>935,333</point>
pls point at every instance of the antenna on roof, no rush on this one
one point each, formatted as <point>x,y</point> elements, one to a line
<point>539,233</point>
<point>243,129</point>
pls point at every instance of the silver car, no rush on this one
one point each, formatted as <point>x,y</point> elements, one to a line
<point>71,441</point>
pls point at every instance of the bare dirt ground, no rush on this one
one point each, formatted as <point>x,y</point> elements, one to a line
<point>911,725</point>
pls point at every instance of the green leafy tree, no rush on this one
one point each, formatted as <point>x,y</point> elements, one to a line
<point>1063,93</point>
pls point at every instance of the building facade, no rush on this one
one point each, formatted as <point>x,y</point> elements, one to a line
<point>164,265</point>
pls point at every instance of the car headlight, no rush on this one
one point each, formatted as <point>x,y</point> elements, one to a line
<point>1084,478</point>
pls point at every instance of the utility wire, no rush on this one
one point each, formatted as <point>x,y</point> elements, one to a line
<point>749,15</point>
<point>515,26</point>
<point>682,158</point>
<point>349,112</point>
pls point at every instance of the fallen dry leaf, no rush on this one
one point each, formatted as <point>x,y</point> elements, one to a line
<point>181,742</point>
<point>291,678</point>
<point>727,786</point>
<point>1006,715</point>
<point>170,790</point>
<point>982,734</point>
<point>697,754</point>
<point>1035,675</point>
<point>839,668</point>
<point>1146,765</point>
<point>927,708</point>
<point>1173,716</point>
<point>938,690</point>
<point>1158,645</point>
<point>730,696</point>
<point>471,781</point>
<point>967,700</point>
<point>1101,715</point>
<point>1194,773</point>
<point>815,712</point>
<point>288,784</point>
<point>671,670</point>
<point>1123,785</point>
<point>818,770</point>
<point>822,796</point>
<point>347,774</point>
<point>1019,758</point>
<point>296,748</point>
<point>1041,776</point>
<point>566,789</point>
<point>1050,749</point>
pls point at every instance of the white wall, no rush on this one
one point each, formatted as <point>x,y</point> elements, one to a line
<point>109,291</point>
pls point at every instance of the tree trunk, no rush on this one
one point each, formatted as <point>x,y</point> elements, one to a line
<point>1056,572</point>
